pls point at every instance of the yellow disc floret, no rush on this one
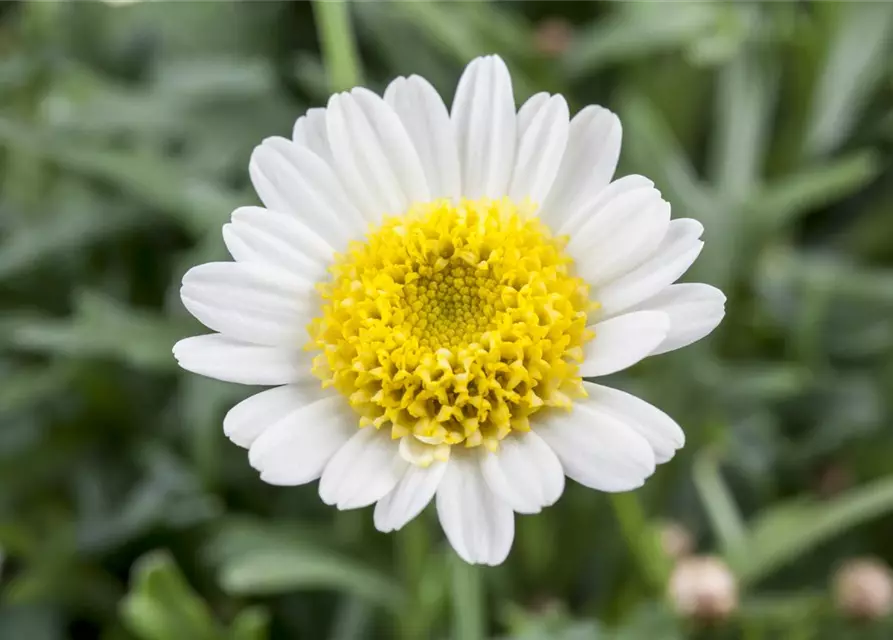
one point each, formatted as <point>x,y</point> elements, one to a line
<point>453,323</point>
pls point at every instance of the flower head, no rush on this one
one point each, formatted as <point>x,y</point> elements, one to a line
<point>863,589</point>
<point>703,588</point>
<point>426,292</point>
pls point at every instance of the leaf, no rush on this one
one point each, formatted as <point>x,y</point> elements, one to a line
<point>167,496</point>
<point>467,30</point>
<point>781,203</point>
<point>253,559</point>
<point>745,98</point>
<point>100,327</point>
<point>788,530</point>
<point>161,605</point>
<point>784,608</point>
<point>653,150</point>
<point>251,624</point>
<point>832,274</point>
<point>31,622</point>
<point>354,616</point>
<point>71,230</point>
<point>191,201</point>
<point>719,504</point>
<point>31,385</point>
<point>857,59</point>
<point>628,35</point>
<point>653,621</point>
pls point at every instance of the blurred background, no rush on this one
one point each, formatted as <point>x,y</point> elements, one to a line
<point>125,514</point>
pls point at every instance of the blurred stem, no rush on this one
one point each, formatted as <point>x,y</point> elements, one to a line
<point>468,601</point>
<point>413,546</point>
<point>750,630</point>
<point>641,539</point>
<point>337,42</point>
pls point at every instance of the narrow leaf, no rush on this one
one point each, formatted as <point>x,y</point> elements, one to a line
<point>719,504</point>
<point>789,530</point>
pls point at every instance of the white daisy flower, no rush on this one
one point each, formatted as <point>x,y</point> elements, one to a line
<point>426,290</point>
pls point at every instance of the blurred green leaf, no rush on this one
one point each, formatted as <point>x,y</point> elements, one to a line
<point>353,619</point>
<point>719,504</point>
<point>467,30</point>
<point>53,237</point>
<point>652,148</point>
<point>32,385</point>
<point>629,34</point>
<point>788,530</point>
<point>653,621</point>
<point>251,624</point>
<point>255,560</point>
<point>161,605</point>
<point>842,280</point>
<point>31,623</point>
<point>858,55</point>
<point>745,99</point>
<point>779,204</point>
<point>100,327</point>
<point>155,181</point>
<point>781,608</point>
<point>167,496</point>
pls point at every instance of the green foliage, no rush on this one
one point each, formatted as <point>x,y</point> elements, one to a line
<point>125,132</point>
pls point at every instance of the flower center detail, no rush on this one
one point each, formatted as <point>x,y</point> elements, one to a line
<point>453,323</point>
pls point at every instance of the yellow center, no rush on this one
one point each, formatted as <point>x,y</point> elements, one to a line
<point>453,323</point>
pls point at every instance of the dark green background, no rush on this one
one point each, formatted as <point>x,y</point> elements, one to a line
<point>125,133</point>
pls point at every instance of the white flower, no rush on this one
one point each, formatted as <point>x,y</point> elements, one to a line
<point>450,277</point>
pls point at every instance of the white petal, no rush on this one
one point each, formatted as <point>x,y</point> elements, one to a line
<point>374,155</point>
<point>250,302</point>
<point>223,358</point>
<point>483,115</point>
<point>409,497</point>
<point>277,240</point>
<point>251,417</point>
<point>596,449</point>
<point>479,525</point>
<point>675,254</point>
<point>540,148</point>
<point>290,178</point>
<point>622,341</point>
<point>620,235</point>
<point>525,473</point>
<point>295,450</point>
<point>529,109</point>
<point>310,131</point>
<point>695,310</point>
<point>583,212</point>
<point>593,149</point>
<point>363,471</point>
<point>428,124</point>
<point>659,429</point>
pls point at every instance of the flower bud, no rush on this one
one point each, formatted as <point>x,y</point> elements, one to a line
<point>675,540</point>
<point>703,588</point>
<point>553,36</point>
<point>863,589</point>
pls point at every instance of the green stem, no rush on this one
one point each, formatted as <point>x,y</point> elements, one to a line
<point>336,39</point>
<point>751,630</point>
<point>413,545</point>
<point>641,539</point>
<point>468,601</point>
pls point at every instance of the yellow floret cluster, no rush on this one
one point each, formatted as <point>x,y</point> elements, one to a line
<point>454,323</point>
